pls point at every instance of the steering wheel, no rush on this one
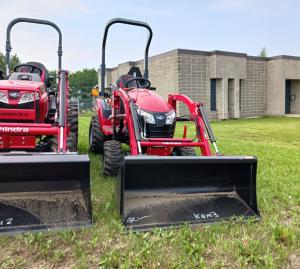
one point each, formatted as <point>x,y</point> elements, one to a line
<point>24,77</point>
<point>28,68</point>
<point>141,82</point>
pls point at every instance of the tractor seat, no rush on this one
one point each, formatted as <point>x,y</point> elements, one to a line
<point>27,69</point>
<point>123,79</point>
<point>106,108</point>
<point>45,77</point>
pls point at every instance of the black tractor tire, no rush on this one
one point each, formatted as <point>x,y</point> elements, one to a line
<point>96,137</point>
<point>112,157</point>
<point>53,144</point>
<point>73,118</point>
<point>71,143</point>
<point>184,151</point>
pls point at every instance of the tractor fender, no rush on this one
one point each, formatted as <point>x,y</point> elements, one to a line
<point>104,112</point>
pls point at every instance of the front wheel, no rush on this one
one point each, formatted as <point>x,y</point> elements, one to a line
<point>184,151</point>
<point>96,137</point>
<point>71,143</point>
<point>73,119</point>
<point>112,157</point>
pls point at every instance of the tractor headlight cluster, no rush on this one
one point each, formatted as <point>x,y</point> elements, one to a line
<point>148,117</point>
<point>28,97</point>
<point>3,97</point>
<point>170,117</point>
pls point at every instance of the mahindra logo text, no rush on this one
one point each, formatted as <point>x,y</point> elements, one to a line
<point>13,114</point>
<point>13,129</point>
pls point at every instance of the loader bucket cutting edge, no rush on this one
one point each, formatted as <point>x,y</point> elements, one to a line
<point>44,191</point>
<point>169,191</point>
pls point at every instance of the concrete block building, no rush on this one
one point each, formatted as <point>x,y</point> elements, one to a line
<point>231,85</point>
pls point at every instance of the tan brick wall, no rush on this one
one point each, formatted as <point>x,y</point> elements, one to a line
<point>194,80</point>
<point>228,66</point>
<point>254,94</point>
<point>279,70</point>
<point>275,88</point>
<point>163,72</point>
<point>256,88</point>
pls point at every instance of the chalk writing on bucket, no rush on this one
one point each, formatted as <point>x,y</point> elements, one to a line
<point>7,221</point>
<point>135,219</point>
<point>209,215</point>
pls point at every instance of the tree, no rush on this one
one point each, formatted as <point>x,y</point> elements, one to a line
<point>263,53</point>
<point>14,60</point>
<point>81,82</point>
<point>53,73</point>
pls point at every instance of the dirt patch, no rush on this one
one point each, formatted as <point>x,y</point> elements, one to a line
<point>286,216</point>
<point>293,261</point>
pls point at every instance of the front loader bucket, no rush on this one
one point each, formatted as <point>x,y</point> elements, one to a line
<point>44,191</point>
<point>169,191</point>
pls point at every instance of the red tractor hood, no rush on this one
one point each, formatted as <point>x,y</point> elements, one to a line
<point>149,100</point>
<point>20,85</point>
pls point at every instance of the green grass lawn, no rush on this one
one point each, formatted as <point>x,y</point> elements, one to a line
<point>272,243</point>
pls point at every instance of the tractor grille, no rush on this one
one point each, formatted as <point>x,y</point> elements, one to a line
<point>165,131</point>
<point>20,107</point>
<point>16,121</point>
<point>157,130</point>
<point>29,105</point>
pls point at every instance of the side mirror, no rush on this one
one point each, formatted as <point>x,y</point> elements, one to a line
<point>152,88</point>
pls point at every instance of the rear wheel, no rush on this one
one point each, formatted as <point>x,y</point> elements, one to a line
<point>96,137</point>
<point>73,118</point>
<point>71,143</point>
<point>184,151</point>
<point>112,157</point>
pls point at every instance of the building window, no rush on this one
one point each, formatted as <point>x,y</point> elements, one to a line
<point>213,95</point>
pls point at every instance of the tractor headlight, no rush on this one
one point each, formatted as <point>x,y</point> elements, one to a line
<point>28,97</point>
<point>170,117</point>
<point>3,97</point>
<point>148,117</point>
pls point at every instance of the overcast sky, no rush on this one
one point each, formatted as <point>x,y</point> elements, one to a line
<point>230,25</point>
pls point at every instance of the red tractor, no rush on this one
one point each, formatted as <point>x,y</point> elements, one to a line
<point>162,182</point>
<point>25,99</point>
<point>44,183</point>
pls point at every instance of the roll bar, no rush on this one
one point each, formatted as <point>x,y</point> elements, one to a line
<point>130,22</point>
<point>36,21</point>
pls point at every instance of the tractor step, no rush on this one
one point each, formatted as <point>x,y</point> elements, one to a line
<point>170,191</point>
<point>44,191</point>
